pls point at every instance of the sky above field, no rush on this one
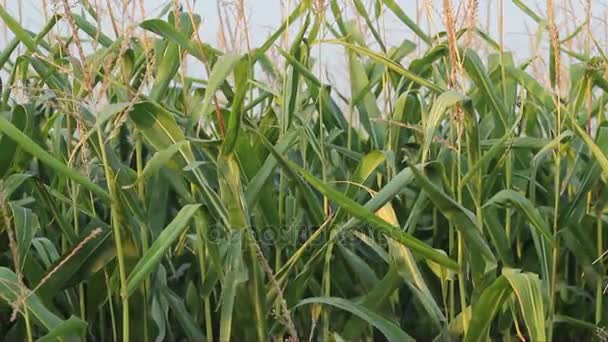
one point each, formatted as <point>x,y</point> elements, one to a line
<point>264,16</point>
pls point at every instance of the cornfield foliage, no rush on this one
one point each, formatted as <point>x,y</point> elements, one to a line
<point>453,195</point>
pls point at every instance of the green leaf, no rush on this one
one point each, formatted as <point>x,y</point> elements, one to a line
<point>182,315</point>
<point>161,131</point>
<point>10,291</point>
<point>528,11</point>
<point>236,274</point>
<point>169,61</point>
<point>368,164</point>
<point>241,70</point>
<point>263,175</point>
<point>161,158</point>
<point>522,203</point>
<point>19,32</point>
<point>153,255</point>
<point>165,30</point>
<point>396,67</point>
<point>13,182</point>
<point>231,192</point>
<point>485,309</point>
<point>80,264</point>
<point>527,288</point>
<point>72,327</point>
<point>398,11</point>
<point>367,107</point>
<point>391,331</point>
<point>26,225</point>
<point>462,218</point>
<point>440,105</point>
<point>475,69</point>
<point>91,30</point>
<point>360,212</point>
<point>8,146</point>
<point>408,269</point>
<point>221,69</point>
<point>35,150</point>
<point>600,157</point>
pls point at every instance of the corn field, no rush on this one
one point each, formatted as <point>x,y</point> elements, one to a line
<point>453,193</point>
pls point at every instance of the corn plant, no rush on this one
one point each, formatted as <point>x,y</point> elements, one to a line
<point>453,194</point>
